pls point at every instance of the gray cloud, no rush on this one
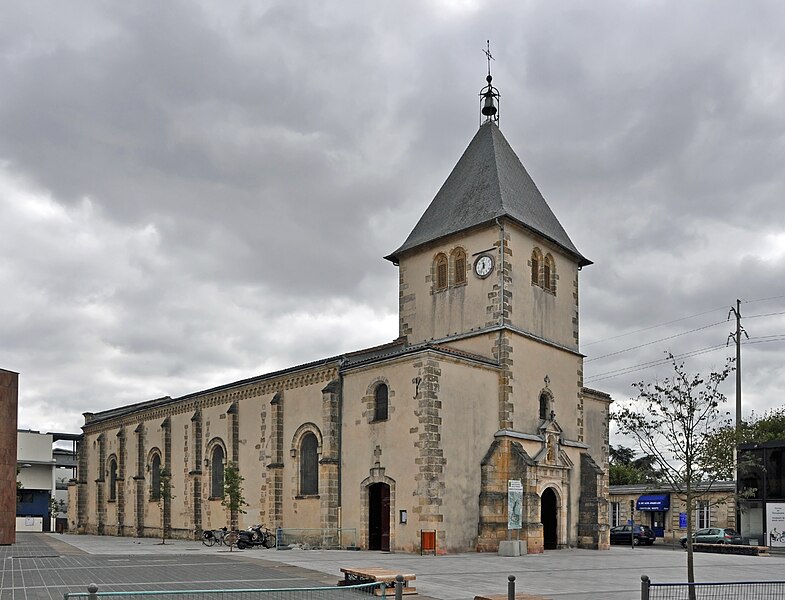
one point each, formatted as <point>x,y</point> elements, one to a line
<point>195,194</point>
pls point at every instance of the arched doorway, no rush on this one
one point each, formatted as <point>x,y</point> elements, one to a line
<point>379,517</point>
<point>549,516</point>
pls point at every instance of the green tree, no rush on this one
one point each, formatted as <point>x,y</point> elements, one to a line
<point>164,498</point>
<point>233,493</point>
<point>625,469</point>
<point>672,420</point>
<point>756,429</point>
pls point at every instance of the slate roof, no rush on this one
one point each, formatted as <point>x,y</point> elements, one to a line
<point>487,183</point>
<point>344,362</point>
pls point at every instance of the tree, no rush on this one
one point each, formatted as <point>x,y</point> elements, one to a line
<point>164,498</point>
<point>757,429</point>
<point>672,420</point>
<point>233,493</point>
<point>625,469</point>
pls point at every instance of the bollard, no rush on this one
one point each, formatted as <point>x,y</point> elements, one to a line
<point>645,587</point>
<point>511,587</point>
<point>399,587</point>
<point>92,591</point>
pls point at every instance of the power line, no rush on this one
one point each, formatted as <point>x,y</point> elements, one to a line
<point>764,299</point>
<point>653,363</point>
<point>621,335</point>
<point>670,337</point>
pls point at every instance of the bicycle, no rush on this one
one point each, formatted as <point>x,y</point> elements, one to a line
<point>221,536</point>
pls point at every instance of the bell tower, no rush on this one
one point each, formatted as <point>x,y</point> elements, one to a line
<point>488,253</point>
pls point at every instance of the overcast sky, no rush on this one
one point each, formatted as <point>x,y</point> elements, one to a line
<point>195,193</point>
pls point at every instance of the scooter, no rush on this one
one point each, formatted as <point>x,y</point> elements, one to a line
<point>254,536</point>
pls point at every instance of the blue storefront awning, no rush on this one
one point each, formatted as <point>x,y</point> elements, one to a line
<point>658,502</point>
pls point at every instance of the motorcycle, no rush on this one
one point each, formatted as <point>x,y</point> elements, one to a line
<point>254,536</point>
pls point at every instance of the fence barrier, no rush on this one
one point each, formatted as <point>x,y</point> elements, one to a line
<point>349,592</point>
<point>316,539</point>
<point>724,590</point>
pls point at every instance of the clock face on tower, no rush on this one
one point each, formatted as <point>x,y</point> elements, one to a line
<point>483,266</point>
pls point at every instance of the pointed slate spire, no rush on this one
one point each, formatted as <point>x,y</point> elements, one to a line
<point>487,183</point>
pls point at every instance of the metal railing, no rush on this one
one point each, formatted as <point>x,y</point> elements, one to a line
<point>730,590</point>
<point>349,592</point>
<point>316,539</point>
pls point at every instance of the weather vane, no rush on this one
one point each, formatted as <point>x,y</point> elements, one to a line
<point>488,55</point>
<point>489,95</point>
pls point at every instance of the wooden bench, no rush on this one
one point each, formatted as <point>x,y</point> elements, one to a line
<point>355,576</point>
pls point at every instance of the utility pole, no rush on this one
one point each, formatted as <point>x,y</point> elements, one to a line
<point>736,337</point>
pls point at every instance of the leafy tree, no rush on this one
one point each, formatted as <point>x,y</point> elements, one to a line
<point>672,420</point>
<point>233,493</point>
<point>757,429</point>
<point>625,469</point>
<point>164,498</point>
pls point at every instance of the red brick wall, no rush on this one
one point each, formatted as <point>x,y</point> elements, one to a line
<point>9,385</point>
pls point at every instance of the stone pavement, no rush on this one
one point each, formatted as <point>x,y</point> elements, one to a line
<point>130,563</point>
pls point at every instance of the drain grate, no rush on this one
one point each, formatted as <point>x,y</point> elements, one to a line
<point>36,556</point>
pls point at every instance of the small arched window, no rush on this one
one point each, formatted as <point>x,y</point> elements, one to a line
<point>549,274</point>
<point>112,479</point>
<point>381,403</point>
<point>441,272</point>
<point>155,477</point>
<point>217,472</point>
<point>459,264</point>
<point>535,261</point>
<point>545,405</point>
<point>309,465</point>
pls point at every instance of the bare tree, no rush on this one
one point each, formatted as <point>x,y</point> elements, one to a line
<point>673,421</point>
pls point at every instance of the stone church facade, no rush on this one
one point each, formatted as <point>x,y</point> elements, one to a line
<point>482,386</point>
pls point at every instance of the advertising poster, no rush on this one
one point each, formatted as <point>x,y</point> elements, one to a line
<point>514,503</point>
<point>775,523</point>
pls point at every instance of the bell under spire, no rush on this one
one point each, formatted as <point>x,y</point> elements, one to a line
<point>489,95</point>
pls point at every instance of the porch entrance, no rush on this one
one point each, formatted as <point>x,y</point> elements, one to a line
<point>379,517</point>
<point>550,519</point>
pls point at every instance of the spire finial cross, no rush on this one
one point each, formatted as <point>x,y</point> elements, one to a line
<point>488,55</point>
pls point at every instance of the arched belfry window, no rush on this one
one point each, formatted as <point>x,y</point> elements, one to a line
<point>381,402</point>
<point>112,479</point>
<point>217,472</point>
<point>155,477</point>
<point>459,266</point>
<point>440,272</point>
<point>549,274</point>
<point>309,465</point>
<point>536,262</point>
<point>545,406</point>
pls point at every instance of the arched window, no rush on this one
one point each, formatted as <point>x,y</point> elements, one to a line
<point>112,479</point>
<point>309,465</point>
<point>536,260</point>
<point>549,274</point>
<point>217,472</point>
<point>441,272</point>
<point>381,403</point>
<point>155,477</point>
<point>545,405</point>
<point>459,265</point>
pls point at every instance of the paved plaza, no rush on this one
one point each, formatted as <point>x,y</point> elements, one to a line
<point>44,566</point>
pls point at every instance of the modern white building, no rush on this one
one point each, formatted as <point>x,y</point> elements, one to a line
<point>42,470</point>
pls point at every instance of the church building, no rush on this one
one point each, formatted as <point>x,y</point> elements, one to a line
<point>481,391</point>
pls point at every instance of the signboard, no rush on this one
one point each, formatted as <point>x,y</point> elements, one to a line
<point>775,523</point>
<point>514,503</point>
<point>683,520</point>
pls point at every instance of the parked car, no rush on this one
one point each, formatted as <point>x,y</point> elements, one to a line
<point>714,535</point>
<point>643,535</point>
